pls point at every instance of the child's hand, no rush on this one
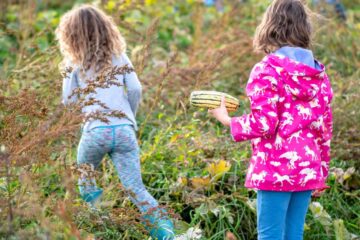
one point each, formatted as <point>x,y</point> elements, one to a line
<point>221,113</point>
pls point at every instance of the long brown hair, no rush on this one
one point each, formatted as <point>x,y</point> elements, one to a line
<point>89,38</point>
<point>285,23</point>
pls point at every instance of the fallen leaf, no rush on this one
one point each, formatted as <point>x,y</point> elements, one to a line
<point>217,170</point>
<point>182,181</point>
<point>201,182</point>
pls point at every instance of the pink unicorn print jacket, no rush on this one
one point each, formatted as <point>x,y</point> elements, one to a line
<point>290,125</point>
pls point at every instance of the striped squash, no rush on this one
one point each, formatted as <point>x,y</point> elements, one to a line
<point>212,99</point>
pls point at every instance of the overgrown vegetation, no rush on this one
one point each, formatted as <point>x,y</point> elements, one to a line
<point>189,162</point>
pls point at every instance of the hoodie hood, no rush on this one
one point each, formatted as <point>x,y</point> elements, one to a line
<point>302,80</point>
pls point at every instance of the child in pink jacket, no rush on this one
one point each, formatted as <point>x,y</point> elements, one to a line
<point>290,123</point>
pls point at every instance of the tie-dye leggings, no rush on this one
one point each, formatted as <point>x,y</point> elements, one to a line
<point>120,143</point>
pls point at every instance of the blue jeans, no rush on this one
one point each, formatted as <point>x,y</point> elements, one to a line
<point>281,215</point>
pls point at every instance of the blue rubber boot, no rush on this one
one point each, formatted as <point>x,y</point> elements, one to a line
<point>159,225</point>
<point>90,194</point>
<point>91,197</point>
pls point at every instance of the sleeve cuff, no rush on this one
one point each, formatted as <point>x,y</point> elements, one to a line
<point>235,129</point>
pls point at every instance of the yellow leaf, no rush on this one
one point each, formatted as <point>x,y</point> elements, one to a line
<point>174,138</point>
<point>110,5</point>
<point>150,2</point>
<point>125,4</point>
<point>182,181</point>
<point>348,173</point>
<point>218,169</point>
<point>200,182</point>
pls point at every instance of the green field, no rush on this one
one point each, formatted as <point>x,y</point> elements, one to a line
<point>189,162</point>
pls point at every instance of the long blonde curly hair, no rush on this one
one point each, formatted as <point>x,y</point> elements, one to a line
<point>88,38</point>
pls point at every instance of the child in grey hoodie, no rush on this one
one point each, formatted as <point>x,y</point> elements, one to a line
<point>92,43</point>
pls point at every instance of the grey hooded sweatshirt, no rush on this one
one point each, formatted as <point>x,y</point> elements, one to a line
<point>124,98</point>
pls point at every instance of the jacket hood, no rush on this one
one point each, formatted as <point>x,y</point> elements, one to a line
<point>304,82</point>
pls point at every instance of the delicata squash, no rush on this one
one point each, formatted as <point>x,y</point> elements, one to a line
<point>212,99</point>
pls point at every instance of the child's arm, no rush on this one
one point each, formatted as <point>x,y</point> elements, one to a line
<point>70,83</point>
<point>133,86</point>
<point>221,113</point>
<point>263,118</point>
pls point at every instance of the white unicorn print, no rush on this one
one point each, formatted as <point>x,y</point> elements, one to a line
<point>275,164</point>
<point>297,73</point>
<point>309,135</point>
<point>262,156</point>
<point>251,167</point>
<point>304,164</point>
<point>326,99</point>
<point>265,126</point>
<point>258,91</point>
<point>310,174</point>
<point>271,79</point>
<point>323,165</point>
<point>327,143</point>
<point>268,146</point>
<point>323,88</point>
<point>304,112</point>
<point>280,179</point>
<point>256,179</point>
<point>272,114</point>
<point>250,170</point>
<point>314,103</point>
<point>309,152</point>
<point>315,87</point>
<point>279,70</point>
<point>288,119</point>
<point>256,141</point>
<point>318,124</point>
<point>245,125</point>
<point>260,65</point>
<point>278,142</point>
<point>292,157</point>
<point>273,100</point>
<point>252,118</point>
<point>296,136</point>
<point>295,78</point>
<point>293,91</point>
